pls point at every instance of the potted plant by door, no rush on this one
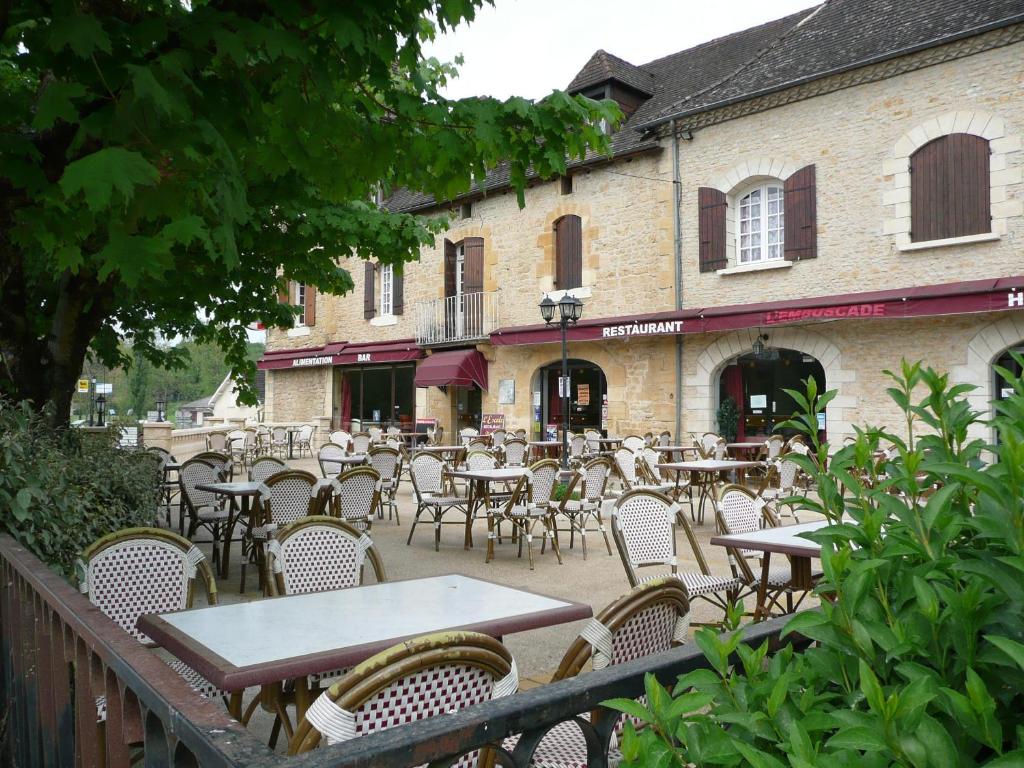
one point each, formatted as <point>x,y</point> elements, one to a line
<point>728,419</point>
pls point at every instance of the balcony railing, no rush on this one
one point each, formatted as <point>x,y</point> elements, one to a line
<point>468,317</point>
<point>57,654</point>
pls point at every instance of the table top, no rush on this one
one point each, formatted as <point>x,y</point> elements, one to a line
<point>503,473</point>
<point>675,448</point>
<point>759,444</point>
<point>352,458</point>
<point>265,641</point>
<point>711,465</point>
<point>609,440</point>
<point>440,448</point>
<point>240,488</point>
<point>545,443</point>
<point>785,539</point>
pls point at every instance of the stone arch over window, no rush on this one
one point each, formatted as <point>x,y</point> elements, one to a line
<point>982,351</point>
<point>896,197</point>
<point>702,385</point>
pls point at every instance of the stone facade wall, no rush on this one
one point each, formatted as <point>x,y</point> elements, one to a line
<point>856,138</point>
<point>302,394</point>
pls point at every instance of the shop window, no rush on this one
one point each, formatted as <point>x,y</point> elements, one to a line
<point>950,188</point>
<point>381,396</point>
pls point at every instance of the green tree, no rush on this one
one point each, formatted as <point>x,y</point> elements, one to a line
<point>138,385</point>
<point>165,166</point>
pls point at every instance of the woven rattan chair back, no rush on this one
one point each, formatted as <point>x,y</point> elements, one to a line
<point>480,460</point>
<point>625,463</point>
<point>665,438</point>
<point>520,433</point>
<point>498,436</point>
<point>592,435</point>
<point>648,439</point>
<point>477,444</point>
<point>340,437</point>
<point>217,441</point>
<point>427,474</point>
<point>708,441</point>
<point>375,434</point>
<point>318,553</point>
<point>356,494</point>
<point>773,447</point>
<point>543,475</point>
<point>265,467</point>
<point>288,496</point>
<point>634,443</point>
<point>279,436</point>
<point>438,438</point>
<point>162,455</point>
<point>515,452</point>
<point>595,478</point>
<point>643,525</point>
<point>798,444</point>
<point>577,446</point>
<point>420,678</point>
<point>195,472</point>
<point>740,510</point>
<point>386,460</point>
<point>467,434</point>
<point>135,571</point>
<point>328,457</point>
<point>648,461</point>
<point>221,461</point>
<point>361,442</point>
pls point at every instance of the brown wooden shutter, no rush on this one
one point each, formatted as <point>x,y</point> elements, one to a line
<point>949,188</point>
<point>712,206</point>
<point>397,290</point>
<point>369,278</point>
<point>449,268</point>
<point>801,214</point>
<point>568,252</point>
<point>310,307</point>
<point>284,292</point>
<point>473,268</point>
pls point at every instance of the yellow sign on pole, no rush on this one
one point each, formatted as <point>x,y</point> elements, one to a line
<point>83,386</point>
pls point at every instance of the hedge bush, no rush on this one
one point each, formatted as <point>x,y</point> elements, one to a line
<point>60,490</point>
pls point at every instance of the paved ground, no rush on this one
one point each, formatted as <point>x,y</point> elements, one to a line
<point>597,580</point>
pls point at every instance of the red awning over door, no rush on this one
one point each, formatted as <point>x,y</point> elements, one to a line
<point>457,367</point>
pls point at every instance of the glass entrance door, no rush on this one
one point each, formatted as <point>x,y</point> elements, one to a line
<point>467,403</point>
<point>587,387</point>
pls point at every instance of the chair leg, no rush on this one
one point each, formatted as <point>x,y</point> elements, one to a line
<point>437,532</point>
<point>412,528</point>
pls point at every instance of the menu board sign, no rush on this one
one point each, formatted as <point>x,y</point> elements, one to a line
<point>582,394</point>
<point>489,422</point>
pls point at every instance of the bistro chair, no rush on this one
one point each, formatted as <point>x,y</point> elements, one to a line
<point>526,506</point>
<point>169,489</point>
<point>361,442</point>
<point>467,434</point>
<point>626,462</point>
<point>417,679</point>
<point>634,443</point>
<point>304,440</point>
<point>250,445</point>
<point>340,437</point>
<point>438,436</point>
<point>478,444</point>
<point>328,458</point>
<point>589,481</point>
<point>435,495</point>
<point>221,461</point>
<point>236,444</point>
<point>375,434</point>
<point>264,467</point>
<point>217,441</point>
<point>515,452</point>
<point>480,460</point>
<point>648,439</point>
<point>665,438</point>
<point>577,449</point>
<point>643,526</point>
<point>284,498</point>
<point>498,436</point>
<point>707,444</point>
<point>520,433</point>
<point>355,496</point>
<point>780,482</point>
<point>739,510</point>
<point>278,441</point>
<point>204,509</point>
<point>388,463</point>
<point>651,618</point>
<point>138,571</point>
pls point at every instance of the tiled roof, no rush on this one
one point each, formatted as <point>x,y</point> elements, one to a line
<point>603,67</point>
<point>819,41</point>
<point>840,35</point>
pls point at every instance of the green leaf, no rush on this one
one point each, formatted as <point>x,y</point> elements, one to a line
<point>864,739</point>
<point>1011,648</point>
<point>98,175</point>
<point>56,103</point>
<point>870,687</point>
<point>82,33</point>
<point>630,707</point>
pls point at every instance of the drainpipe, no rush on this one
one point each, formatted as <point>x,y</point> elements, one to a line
<point>677,254</point>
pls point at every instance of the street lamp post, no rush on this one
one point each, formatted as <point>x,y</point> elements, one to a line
<point>161,406</point>
<point>570,310</point>
<point>101,406</point>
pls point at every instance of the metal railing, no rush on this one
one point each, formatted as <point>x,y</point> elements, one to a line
<point>468,317</point>
<point>59,653</point>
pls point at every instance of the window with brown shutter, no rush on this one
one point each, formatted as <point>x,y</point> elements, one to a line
<point>450,257</point>
<point>800,240</point>
<point>473,268</point>
<point>568,252</point>
<point>284,292</point>
<point>397,290</point>
<point>309,305</point>
<point>949,188</point>
<point>369,280</point>
<point>712,206</point>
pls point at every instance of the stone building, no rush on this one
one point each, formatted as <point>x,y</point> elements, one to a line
<point>822,196</point>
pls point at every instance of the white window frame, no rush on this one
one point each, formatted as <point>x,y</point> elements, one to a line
<point>759,254</point>
<point>387,290</point>
<point>300,302</point>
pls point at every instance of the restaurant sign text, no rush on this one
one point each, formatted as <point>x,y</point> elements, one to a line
<point>823,313</point>
<point>642,329</point>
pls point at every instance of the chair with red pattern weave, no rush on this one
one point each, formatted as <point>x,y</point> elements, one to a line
<point>643,526</point>
<point>137,571</point>
<point>652,618</point>
<point>420,678</point>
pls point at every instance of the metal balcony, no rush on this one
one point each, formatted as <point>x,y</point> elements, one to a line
<point>455,319</point>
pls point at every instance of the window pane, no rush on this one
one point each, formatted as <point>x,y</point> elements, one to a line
<point>376,396</point>
<point>405,396</point>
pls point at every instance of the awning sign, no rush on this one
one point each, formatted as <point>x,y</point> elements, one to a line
<point>300,362</point>
<point>642,329</point>
<point>823,313</point>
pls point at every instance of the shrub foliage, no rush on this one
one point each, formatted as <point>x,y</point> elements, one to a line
<point>60,490</point>
<point>918,657</point>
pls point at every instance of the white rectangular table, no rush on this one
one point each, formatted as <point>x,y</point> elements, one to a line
<point>785,540</point>
<point>267,641</point>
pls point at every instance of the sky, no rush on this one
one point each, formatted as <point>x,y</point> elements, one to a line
<point>531,47</point>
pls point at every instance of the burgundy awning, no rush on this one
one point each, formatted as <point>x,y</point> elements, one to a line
<point>459,367</point>
<point>992,295</point>
<point>379,352</point>
<point>300,358</point>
